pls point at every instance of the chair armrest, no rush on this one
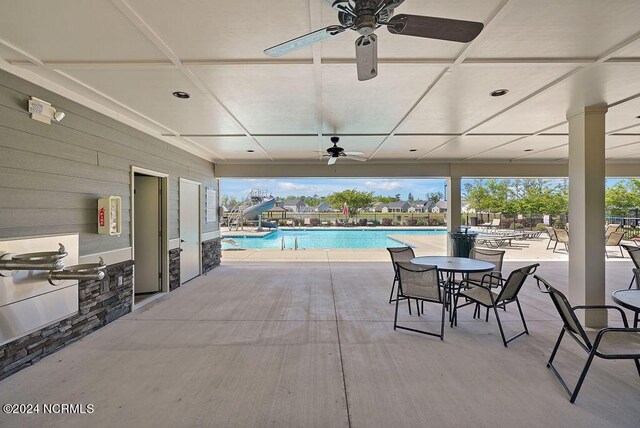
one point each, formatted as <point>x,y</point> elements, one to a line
<point>493,275</point>
<point>604,331</point>
<point>587,307</point>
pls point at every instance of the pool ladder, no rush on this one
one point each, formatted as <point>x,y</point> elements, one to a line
<point>283,245</point>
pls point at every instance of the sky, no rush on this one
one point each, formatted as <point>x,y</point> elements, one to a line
<point>325,186</point>
<point>282,187</point>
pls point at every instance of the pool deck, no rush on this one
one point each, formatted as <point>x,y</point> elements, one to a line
<point>312,345</point>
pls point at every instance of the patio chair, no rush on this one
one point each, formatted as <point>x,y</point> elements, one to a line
<point>492,256</point>
<point>399,254</point>
<point>613,240</point>
<point>552,236</point>
<point>611,228</point>
<point>423,284</point>
<point>484,296</point>
<point>607,343</point>
<point>634,253</point>
<point>562,237</point>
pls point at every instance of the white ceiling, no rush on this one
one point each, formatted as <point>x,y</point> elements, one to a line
<point>430,96</point>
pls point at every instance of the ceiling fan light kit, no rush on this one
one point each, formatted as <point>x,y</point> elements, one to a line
<point>365,16</point>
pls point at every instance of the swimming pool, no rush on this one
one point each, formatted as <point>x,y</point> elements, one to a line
<point>329,238</point>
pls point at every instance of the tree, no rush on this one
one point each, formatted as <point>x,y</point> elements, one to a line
<point>354,199</point>
<point>623,197</point>
<point>384,199</point>
<point>435,197</point>
<point>397,197</point>
<point>410,197</point>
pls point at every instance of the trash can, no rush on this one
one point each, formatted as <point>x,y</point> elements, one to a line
<point>462,242</point>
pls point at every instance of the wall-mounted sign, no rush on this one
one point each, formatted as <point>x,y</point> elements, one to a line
<point>211,208</point>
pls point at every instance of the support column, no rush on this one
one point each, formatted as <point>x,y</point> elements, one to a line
<point>454,207</point>
<point>586,212</point>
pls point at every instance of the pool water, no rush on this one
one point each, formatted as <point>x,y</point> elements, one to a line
<point>329,238</point>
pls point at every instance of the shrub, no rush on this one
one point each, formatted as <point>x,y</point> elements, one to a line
<point>420,222</point>
<point>412,222</point>
<point>540,226</point>
<point>315,222</point>
<point>387,222</point>
<point>282,222</point>
<point>375,223</point>
<point>362,222</point>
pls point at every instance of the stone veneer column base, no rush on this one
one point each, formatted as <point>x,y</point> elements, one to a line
<point>211,254</point>
<point>100,303</point>
<point>174,268</point>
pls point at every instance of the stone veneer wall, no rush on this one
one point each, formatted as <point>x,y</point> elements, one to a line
<point>211,254</point>
<point>174,268</point>
<point>100,303</point>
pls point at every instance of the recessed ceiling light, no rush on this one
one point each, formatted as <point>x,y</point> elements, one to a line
<point>182,95</point>
<point>499,92</point>
<point>528,150</point>
<point>250,151</point>
<point>413,150</point>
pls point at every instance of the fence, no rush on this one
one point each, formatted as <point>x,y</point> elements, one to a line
<point>630,225</point>
<point>362,219</point>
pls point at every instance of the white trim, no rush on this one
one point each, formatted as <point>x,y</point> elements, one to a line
<point>174,243</point>
<point>210,235</point>
<point>186,180</point>
<point>109,257</point>
<point>164,287</point>
<point>145,171</point>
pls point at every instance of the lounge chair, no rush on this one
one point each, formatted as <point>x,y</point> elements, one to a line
<point>484,296</point>
<point>495,224</point>
<point>611,228</point>
<point>423,284</point>
<point>634,253</point>
<point>552,236</point>
<point>613,240</point>
<point>606,343</point>
<point>562,237</point>
<point>494,241</point>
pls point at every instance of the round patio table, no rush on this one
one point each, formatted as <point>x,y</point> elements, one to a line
<point>629,299</point>
<point>452,266</point>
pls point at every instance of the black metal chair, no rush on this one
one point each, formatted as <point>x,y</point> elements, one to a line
<point>423,284</point>
<point>484,296</point>
<point>607,343</point>
<point>492,256</point>
<point>634,253</point>
<point>400,254</point>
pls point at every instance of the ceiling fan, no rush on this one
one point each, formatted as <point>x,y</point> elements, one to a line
<point>335,152</point>
<point>365,16</point>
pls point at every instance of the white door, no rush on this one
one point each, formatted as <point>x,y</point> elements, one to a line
<point>147,234</point>
<point>189,230</point>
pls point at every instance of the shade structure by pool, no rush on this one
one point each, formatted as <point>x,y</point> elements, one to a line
<point>329,238</point>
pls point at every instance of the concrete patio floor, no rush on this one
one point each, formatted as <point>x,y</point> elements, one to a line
<point>311,344</point>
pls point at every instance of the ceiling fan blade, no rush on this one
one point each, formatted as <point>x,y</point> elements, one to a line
<point>432,27</point>
<point>332,160</point>
<point>354,153</point>
<point>357,158</point>
<point>306,40</point>
<point>367,57</point>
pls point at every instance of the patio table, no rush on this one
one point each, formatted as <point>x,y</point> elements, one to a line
<point>452,266</point>
<point>629,299</point>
